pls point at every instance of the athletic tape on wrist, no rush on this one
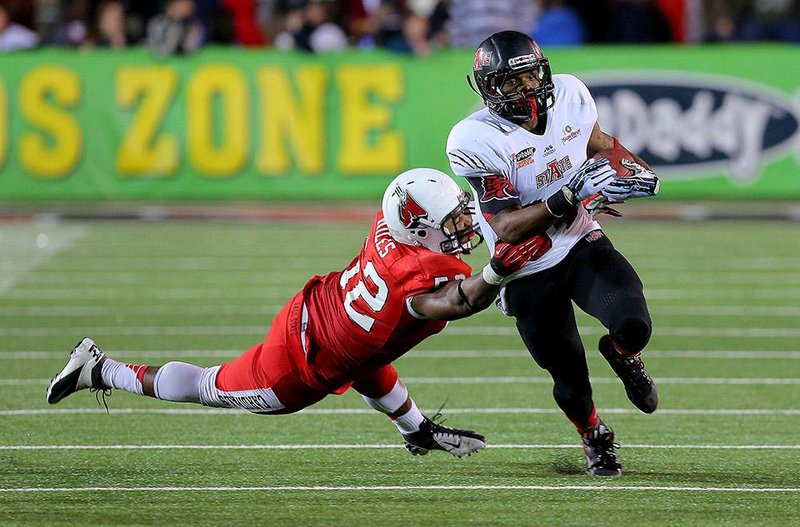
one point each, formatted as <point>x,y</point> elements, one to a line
<point>550,211</point>
<point>558,204</point>
<point>490,276</point>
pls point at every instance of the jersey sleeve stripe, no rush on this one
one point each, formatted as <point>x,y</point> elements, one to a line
<point>412,312</point>
<point>478,163</point>
<point>469,162</point>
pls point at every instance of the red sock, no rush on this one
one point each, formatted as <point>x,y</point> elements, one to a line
<point>589,423</point>
<point>622,351</point>
<point>139,370</point>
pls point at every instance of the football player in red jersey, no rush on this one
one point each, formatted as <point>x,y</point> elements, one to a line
<point>345,329</point>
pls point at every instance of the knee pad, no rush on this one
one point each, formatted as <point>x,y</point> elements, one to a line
<point>178,381</point>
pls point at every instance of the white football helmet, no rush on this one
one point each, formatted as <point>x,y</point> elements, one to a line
<point>421,207</point>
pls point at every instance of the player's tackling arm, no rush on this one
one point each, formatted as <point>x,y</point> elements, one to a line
<point>462,298</point>
<point>448,303</point>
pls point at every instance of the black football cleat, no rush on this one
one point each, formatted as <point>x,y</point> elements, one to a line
<point>639,386</point>
<point>433,436</point>
<point>599,447</point>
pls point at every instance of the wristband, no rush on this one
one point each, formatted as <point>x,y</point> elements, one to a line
<point>559,203</point>
<point>490,276</point>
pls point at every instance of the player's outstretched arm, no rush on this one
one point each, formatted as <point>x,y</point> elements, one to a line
<point>462,298</point>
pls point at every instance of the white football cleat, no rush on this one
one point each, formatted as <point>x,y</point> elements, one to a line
<point>82,371</point>
<point>433,436</point>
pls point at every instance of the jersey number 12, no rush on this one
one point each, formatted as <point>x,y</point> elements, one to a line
<point>375,302</point>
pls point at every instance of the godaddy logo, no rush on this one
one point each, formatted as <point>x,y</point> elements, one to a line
<point>688,125</point>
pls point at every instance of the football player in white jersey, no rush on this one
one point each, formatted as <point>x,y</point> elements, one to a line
<point>528,158</point>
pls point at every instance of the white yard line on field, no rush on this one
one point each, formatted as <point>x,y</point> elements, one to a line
<point>672,331</point>
<point>124,355</point>
<point>91,261</point>
<point>380,447</point>
<point>394,488</point>
<point>242,263</point>
<point>155,292</point>
<point>606,380</point>
<point>751,381</point>
<point>710,332</point>
<point>152,293</point>
<point>366,411</point>
<point>729,263</point>
<point>419,354</point>
<point>122,276</point>
<point>84,310</point>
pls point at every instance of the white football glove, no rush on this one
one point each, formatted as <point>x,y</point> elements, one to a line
<point>642,184</point>
<point>592,177</point>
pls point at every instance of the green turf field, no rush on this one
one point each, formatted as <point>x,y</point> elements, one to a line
<point>722,449</point>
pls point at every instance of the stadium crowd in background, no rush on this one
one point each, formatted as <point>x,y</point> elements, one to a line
<point>410,26</point>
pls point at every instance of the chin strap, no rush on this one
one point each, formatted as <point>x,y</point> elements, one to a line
<point>472,86</point>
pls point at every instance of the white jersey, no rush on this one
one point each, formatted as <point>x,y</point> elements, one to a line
<point>503,161</point>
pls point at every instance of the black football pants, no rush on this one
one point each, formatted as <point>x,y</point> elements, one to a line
<point>603,284</point>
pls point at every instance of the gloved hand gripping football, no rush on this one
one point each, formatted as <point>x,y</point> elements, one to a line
<point>642,183</point>
<point>508,258</point>
<point>592,177</point>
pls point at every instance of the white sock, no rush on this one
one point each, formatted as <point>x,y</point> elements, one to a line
<point>121,376</point>
<point>392,401</point>
<point>409,421</point>
<point>179,382</point>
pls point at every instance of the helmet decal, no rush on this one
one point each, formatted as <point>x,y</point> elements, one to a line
<point>523,60</point>
<point>483,58</point>
<point>410,211</point>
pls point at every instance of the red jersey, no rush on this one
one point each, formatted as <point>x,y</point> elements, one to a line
<point>361,317</point>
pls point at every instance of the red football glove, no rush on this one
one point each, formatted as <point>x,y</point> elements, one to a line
<point>509,258</point>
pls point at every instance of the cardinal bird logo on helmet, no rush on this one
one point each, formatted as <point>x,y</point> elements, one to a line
<point>410,211</point>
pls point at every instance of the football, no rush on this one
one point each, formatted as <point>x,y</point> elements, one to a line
<point>615,157</point>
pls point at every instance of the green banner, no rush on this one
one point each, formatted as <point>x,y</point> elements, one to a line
<point>716,122</point>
